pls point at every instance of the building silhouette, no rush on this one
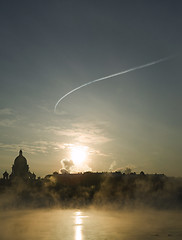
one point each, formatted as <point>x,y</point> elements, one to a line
<point>20,168</point>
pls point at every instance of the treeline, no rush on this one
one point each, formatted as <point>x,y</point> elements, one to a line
<point>99,189</point>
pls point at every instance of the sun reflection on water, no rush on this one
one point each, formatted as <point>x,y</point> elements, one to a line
<point>78,226</point>
<point>78,233</point>
<point>79,216</point>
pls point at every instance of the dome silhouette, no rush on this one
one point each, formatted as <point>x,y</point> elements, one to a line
<point>20,160</point>
<point>20,167</point>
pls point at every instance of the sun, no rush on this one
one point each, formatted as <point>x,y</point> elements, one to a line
<point>78,154</point>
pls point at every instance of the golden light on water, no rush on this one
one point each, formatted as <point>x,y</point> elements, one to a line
<point>78,233</point>
<point>79,222</point>
<point>78,226</point>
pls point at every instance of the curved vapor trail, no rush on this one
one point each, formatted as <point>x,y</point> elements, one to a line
<point>111,76</point>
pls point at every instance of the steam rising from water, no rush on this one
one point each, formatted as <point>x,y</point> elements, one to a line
<point>90,224</point>
<point>120,209</point>
<point>113,75</point>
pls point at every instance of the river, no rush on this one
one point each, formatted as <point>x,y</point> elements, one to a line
<point>92,224</point>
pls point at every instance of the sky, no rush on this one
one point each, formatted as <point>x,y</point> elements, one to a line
<point>48,48</point>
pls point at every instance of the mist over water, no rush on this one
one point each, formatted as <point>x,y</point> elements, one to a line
<point>90,224</point>
<point>92,206</point>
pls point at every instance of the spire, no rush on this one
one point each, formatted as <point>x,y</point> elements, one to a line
<point>20,152</point>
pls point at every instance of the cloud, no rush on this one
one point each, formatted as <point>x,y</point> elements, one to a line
<point>9,118</point>
<point>126,169</point>
<point>31,147</point>
<point>113,164</point>
<point>7,123</point>
<point>99,153</point>
<point>6,111</point>
<point>84,133</point>
<point>66,164</point>
<point>27,147</point>
<point>6,117</point>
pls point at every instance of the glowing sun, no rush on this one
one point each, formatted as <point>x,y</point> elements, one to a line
<point>78,154</point>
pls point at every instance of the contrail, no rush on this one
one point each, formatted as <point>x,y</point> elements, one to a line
<point>113,75</point>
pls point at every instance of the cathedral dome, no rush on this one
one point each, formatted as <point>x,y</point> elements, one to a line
<point>20,167</point>
<point>20,160</point>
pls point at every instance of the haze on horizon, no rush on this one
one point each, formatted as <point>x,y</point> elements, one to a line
<point>134,120</point>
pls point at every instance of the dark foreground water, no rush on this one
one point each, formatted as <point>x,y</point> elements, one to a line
<point>90,224</point>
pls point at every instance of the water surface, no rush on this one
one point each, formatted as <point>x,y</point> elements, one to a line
<point>90,224</point>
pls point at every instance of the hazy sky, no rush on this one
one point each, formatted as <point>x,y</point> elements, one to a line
<point>50,47</point>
